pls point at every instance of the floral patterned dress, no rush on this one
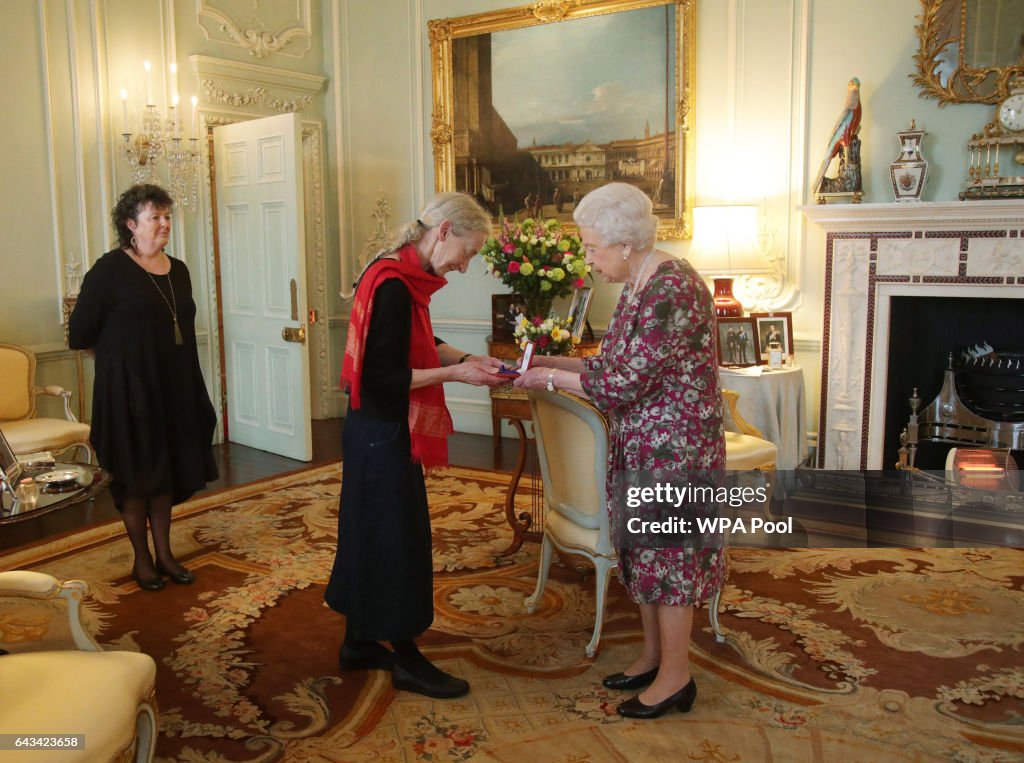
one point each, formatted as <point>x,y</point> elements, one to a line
<point>657,381</point>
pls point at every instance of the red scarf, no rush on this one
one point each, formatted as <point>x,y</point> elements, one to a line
<point>429,420</point>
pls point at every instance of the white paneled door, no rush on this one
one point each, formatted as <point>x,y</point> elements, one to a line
<point>263,284</point>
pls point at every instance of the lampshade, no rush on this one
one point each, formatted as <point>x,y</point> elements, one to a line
<point>725,241</point>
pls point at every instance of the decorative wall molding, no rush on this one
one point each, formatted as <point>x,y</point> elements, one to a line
<point>315,210</point>
<point>378,238</point>
<point>252,98</point>
<point>265,89</point>
<point>261,28</point>
<point>874,252</point>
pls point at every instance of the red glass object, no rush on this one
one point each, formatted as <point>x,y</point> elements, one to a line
<point>726,305</point>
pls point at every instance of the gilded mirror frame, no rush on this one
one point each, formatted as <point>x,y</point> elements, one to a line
<point>943,26</point>
<point>673,223</point>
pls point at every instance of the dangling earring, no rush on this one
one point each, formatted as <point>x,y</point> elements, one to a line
<point>135,243</point>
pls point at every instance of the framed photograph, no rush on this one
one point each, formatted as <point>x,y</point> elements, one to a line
<point>505,312</point>
<point>528,120</point>
<point>774,327</point>
<point>579,308</point>
<point>10,467</point>
<point>737,342</point>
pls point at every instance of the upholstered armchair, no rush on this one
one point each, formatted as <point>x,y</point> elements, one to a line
<point>572,447</point>
<point>747,450</point>
<point>25,432</point>
<point>56,679</point>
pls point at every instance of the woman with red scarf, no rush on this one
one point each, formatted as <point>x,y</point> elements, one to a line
<point>397,425</point>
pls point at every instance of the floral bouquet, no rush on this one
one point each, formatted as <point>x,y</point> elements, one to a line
<point>536,259</point>
<point>550,336</point>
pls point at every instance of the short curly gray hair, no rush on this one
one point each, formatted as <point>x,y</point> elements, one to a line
<point>620,213</point>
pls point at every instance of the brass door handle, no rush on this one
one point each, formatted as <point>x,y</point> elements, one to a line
<point>297,335</point>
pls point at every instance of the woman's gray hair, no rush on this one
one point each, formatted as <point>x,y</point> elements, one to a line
<point>620,213</point>
<point>465,214</point>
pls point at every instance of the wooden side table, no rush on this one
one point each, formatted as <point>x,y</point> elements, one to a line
<point>510,403</point>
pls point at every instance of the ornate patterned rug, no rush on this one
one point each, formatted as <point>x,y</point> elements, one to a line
<point>853,654</point>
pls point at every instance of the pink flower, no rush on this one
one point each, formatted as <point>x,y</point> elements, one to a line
<point>543,340</point>
<point>578,283</point>
<point>508,248</point>
<point>513,267</point>
<point>537,320</point>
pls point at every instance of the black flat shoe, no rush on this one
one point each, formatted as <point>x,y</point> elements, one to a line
<point>181,578</point>
<point>622,682</point>
<point>445,687</point>
<point>368,656</point>
<point>682,700</point>
<point>152,584</point>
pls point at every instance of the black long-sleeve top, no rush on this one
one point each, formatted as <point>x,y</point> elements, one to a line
<point>384,390</point>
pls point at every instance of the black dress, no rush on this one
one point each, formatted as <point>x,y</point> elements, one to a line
<point>152,419</point>
<point>382,578</point>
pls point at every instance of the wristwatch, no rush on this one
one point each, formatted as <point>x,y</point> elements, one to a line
<point>551,381</point>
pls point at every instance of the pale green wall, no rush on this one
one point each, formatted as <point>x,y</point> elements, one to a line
<point>766,102</point>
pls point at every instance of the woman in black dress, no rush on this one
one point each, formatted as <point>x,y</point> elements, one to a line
<point>397,425</point>
<point>152,420</point>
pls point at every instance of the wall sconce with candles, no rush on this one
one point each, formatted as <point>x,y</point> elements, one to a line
<point>726,244</point>
<point>164,138</point>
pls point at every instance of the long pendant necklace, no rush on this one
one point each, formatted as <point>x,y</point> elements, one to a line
<point>640,274</point>
<point>172,304</point>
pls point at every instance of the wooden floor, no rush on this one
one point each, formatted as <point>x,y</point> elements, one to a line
<point>239,465</point>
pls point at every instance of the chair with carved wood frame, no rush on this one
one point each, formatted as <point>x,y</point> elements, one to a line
<point>25,432</point>
<point>572,447</point>
<point>56,678</point>
<point>747,450</point>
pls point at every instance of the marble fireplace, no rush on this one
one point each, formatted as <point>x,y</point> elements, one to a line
<point>964,252</point>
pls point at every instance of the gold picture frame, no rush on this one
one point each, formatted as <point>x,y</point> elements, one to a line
<point>482,155</point>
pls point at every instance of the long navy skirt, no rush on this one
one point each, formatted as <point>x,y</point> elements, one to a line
<point>382,579</point>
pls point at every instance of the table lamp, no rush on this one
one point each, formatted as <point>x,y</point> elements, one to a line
<point>725,244</point>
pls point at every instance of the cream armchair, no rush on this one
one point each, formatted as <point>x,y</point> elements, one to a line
<point>572,447</point>
<point>24,431</point>
<point>56,680</point>
<point>747,450</point>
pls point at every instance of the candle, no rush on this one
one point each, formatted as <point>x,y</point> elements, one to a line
<point>124,110</point>
<point>174,82</point>
<point>174,111</point>
<point>195,116</point>
<point>149,86</point>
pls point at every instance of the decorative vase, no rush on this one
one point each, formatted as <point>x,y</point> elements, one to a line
<point>536,307</point>
<point>909,172</point>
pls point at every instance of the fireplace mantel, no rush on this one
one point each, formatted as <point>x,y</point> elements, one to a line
<point>874,252</point>
<point>922,215</point>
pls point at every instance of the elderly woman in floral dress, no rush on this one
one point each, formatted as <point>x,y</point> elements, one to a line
<point>657,380</point>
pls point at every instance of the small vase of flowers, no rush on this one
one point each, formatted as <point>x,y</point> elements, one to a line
<point>538,260</point>
<point>550,336</point>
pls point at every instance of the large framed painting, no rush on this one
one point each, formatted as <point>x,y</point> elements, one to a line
<point>534,106</point>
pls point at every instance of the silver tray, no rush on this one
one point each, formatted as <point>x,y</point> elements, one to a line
<point>59,478</point>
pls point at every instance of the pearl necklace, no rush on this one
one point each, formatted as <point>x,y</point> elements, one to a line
<point>640,274</point>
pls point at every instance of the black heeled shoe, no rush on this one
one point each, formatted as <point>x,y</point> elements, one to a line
<point>682,700</point>
<point>181,578</point>
<point>623,682</point>
<point>150,584</point>
<point>365,656</point>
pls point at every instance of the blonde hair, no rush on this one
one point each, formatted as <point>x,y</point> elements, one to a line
<point>465,214</point>
<point>620,213</point>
